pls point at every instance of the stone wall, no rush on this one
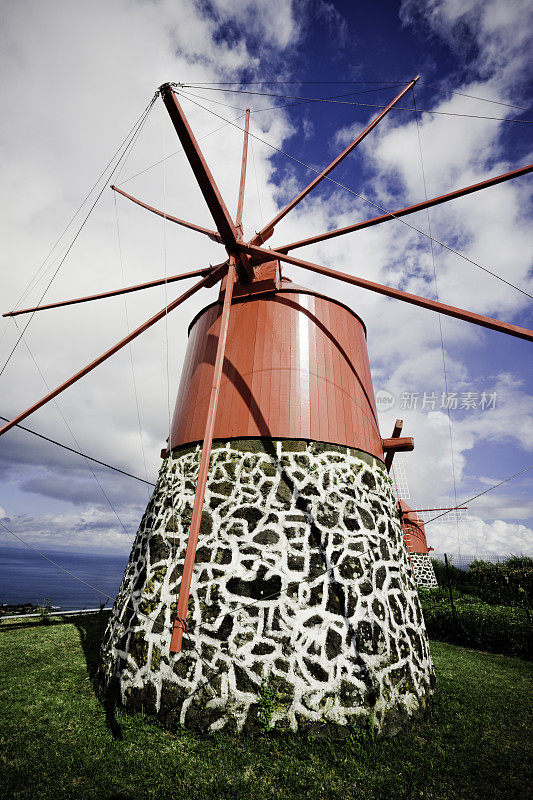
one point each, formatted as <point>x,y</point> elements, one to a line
<point>424,572</point>
<point>302,583</point>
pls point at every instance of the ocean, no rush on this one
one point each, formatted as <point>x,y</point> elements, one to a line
<point>25,577</point>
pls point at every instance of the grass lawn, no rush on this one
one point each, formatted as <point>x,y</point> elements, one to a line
<point>57,741</point>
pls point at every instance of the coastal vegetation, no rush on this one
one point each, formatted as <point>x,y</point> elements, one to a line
<point>486,607</point>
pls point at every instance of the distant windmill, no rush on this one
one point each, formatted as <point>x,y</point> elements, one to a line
<point>271,549</point>
<point>413,527</point>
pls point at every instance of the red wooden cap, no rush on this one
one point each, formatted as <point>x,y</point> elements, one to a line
<point>296,366</point>
<point>413,529</point>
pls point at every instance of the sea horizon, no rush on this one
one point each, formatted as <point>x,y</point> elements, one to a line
<point>26,577</point>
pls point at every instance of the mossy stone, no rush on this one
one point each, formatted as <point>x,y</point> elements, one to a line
<point>333,644</point>
<point>368,479</point>
<point>203,554</point>
<point>327,515</point>
<point>366,518</point>
<point>183,666</point>
<point>314,669</point>
<point>139,649</point>
<point>252,445</point>
<point>283,688</point>
<point>284,493</point>
<point>263,649</point>
<point>243,682</point>
<point>268,469</point>
<point>156,658</point>
<point>335,602</point>
<point>173,524</point>
<point>223,556</point>
<point>266,536</point>
<point>222,487</point>
<point>310,490</point>
<point>147,607</point>
<point>158,548</point>
<point>293,445</point>
<point>251,514</point>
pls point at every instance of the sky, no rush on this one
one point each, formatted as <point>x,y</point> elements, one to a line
<point>76,78</point>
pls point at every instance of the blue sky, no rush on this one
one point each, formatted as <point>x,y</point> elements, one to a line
<point>77,77</point>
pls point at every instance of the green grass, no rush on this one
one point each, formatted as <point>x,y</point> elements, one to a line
<point>57,741</point>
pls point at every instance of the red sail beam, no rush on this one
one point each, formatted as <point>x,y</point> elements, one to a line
<point>397,294</point>
<point>214,235</point>
<point>206,182</point>
<point>267,231</point>
<point>402,212</point>
<point>115,292</point>
<point>123,342</point>
<point>240,203</point>
<point>192,543</point>
<point>448,508</point>
<point>398,444</point>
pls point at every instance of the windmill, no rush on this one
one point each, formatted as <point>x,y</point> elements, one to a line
<point>270,549</point>
<point>413,521</point>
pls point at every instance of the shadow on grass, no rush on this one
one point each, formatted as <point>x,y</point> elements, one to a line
<point>91,629</point>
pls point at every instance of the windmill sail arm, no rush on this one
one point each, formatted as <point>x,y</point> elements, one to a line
<point>242,182</point>
<point>402,212</point>
<point>196,517</point>
<point>268,229</point>
<point>397,294</point>
<point>118,346</point>
<point>214,235</point>
<point>206,271</point>
<point>206,182</point>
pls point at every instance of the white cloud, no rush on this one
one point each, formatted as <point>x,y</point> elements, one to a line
<point>490,36</point>
<point>90,530</point>
<point>477,537</point>
<point>274,22</point>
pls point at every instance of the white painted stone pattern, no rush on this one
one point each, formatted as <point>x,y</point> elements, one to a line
<point>424,572</point>
<point>301,579</point>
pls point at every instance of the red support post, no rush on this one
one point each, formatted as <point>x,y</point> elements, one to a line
<point>123,342</point>
<point>214,235</point>
<point>206,182</point>
<point>240,203</point>
<point>397,294</point>
<point>267,231</point>
<point>192,543</point>
<point>395,433</point>
<point>206,271</point>
<point>403,212</point>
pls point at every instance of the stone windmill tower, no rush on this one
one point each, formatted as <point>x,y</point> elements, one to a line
<point>414,534</point>
<point>271,551</point>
